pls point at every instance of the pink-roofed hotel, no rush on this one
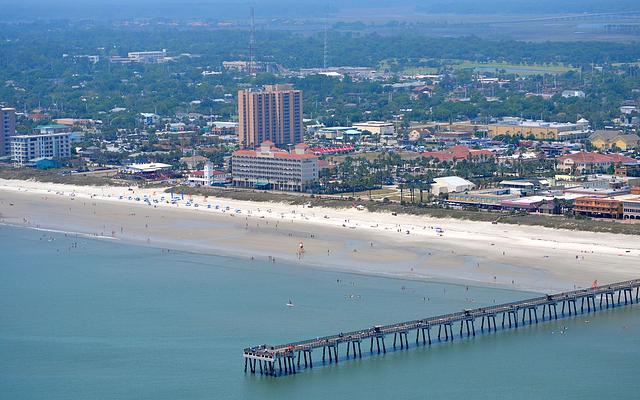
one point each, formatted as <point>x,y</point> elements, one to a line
<point>269,167</point>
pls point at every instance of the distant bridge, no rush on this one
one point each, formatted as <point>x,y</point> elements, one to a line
<point>575,17</point>
<point>285,358</point>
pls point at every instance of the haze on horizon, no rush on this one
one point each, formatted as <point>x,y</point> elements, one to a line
<point>27,10</point>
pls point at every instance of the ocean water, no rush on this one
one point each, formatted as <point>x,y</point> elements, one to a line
<point>98,319</point>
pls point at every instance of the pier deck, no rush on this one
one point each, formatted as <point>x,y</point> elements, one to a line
<point>525,310</point>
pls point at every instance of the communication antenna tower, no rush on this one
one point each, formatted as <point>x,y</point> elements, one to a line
<point>325,50</point>
<point>252,43</point>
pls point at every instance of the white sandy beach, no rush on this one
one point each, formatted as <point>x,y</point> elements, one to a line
<point>523,257</point>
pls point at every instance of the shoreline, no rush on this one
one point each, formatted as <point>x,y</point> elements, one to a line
<point>347,240</point>
<point>326,268</point>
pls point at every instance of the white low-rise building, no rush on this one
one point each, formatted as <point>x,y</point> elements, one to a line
<point>146,168</point>
<point>573,93</point>
<point>377,127</point>
<point>29,147</point>
<point>208,176</point>
<point>450,184</point>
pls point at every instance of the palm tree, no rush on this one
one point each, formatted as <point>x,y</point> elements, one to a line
<point>425,184</point>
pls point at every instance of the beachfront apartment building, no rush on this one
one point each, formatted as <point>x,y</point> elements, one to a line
<point>273,113</point>
<point>268,167</point>
<point>630,206</point>
<point>7,130</point>
<point>26,148</point>
<point>610,207</point>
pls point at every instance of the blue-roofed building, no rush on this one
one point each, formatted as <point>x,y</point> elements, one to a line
<point>45,163</point>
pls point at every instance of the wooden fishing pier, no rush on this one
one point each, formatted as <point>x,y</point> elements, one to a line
<point>290,357</point>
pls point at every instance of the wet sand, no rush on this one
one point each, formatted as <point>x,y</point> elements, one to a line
<point>520,257</point>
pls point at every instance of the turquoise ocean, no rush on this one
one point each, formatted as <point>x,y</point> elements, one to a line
<point>82,318</point>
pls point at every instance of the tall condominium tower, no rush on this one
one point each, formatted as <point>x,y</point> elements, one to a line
<point>7,130</point>
<point>273,113</point>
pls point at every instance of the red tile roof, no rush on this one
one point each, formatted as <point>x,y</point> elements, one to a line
<point>619,158</point>
<point>592,158</point>
<point>332,149</point>
<point>481,153</point>
<point>244,153</point>
<point>276,154</point>
<point>284,154</point>
<point>457,153</point>
<point>439,155</point>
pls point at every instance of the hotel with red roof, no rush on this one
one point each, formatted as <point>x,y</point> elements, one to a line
<point>269,167</point>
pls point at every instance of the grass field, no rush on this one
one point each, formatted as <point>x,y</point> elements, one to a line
<point>420,71</point>
<point>519,69</point>
<point>377,194</point>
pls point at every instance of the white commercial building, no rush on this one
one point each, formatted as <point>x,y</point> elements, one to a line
<point>145,57</point>
<point>541,130</point>
<point>573,93</point>
<point>148,56</point>
<point>270,167</point>
<point>376,127</point>
<point>339,133</point>
<point>450,184</point>
<point>628,110</point>
<point>25,148</point>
